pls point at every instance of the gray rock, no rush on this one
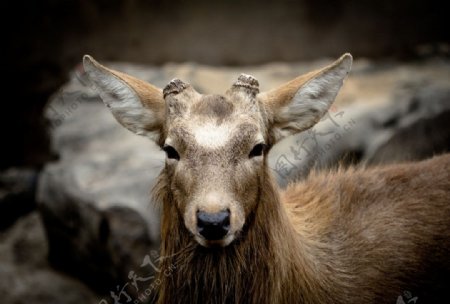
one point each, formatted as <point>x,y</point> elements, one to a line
<point>25,275</point>
<point>17,190</point>
<point>95,201</point>
<point>426,137</point>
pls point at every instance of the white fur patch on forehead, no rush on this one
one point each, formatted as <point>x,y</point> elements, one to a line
<point>210,135</point>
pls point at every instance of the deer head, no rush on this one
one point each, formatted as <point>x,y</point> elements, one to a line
<point>216,145</point>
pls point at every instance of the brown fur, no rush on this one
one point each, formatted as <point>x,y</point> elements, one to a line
<point>355,236</point>
<point>214,105</point>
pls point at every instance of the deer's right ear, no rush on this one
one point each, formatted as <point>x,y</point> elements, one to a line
<point>301,103</point>
<point>136,104</point>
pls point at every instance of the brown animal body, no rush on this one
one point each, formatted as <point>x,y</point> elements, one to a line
<point>230,236</point>
<point>354,236</point>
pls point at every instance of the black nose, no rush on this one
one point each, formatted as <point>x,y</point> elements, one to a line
<point>213,226</point>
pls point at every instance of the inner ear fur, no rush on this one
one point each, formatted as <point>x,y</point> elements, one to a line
<point>136,104</point>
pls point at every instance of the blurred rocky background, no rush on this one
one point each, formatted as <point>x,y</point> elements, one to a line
<point>76,221</point>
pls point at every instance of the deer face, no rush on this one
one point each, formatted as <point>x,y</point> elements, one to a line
<point>215,157</point>
<point>216,144</point>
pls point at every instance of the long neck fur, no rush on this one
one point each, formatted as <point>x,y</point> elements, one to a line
<point>244,271</point>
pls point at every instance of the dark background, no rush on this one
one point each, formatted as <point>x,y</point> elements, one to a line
<point>44,40</point>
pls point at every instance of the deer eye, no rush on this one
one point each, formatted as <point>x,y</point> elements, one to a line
<point>171,152</point>
<point>257,150</point>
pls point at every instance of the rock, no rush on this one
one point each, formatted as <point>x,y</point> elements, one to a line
<point>95,201</point>
<point>24,271</point>
<point>17,191</point>
<point>424,138</point>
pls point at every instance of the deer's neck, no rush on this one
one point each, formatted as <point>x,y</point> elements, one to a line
<point>261,267</point>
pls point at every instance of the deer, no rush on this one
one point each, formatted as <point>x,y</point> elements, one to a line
<point>229,234</point>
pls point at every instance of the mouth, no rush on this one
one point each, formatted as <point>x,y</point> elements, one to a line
<point>227,240</point>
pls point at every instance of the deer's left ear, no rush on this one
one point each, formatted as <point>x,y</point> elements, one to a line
<point>301,103</point>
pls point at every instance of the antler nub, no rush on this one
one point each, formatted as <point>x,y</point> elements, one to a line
<point>175,86</point>
<point>247,82</point>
